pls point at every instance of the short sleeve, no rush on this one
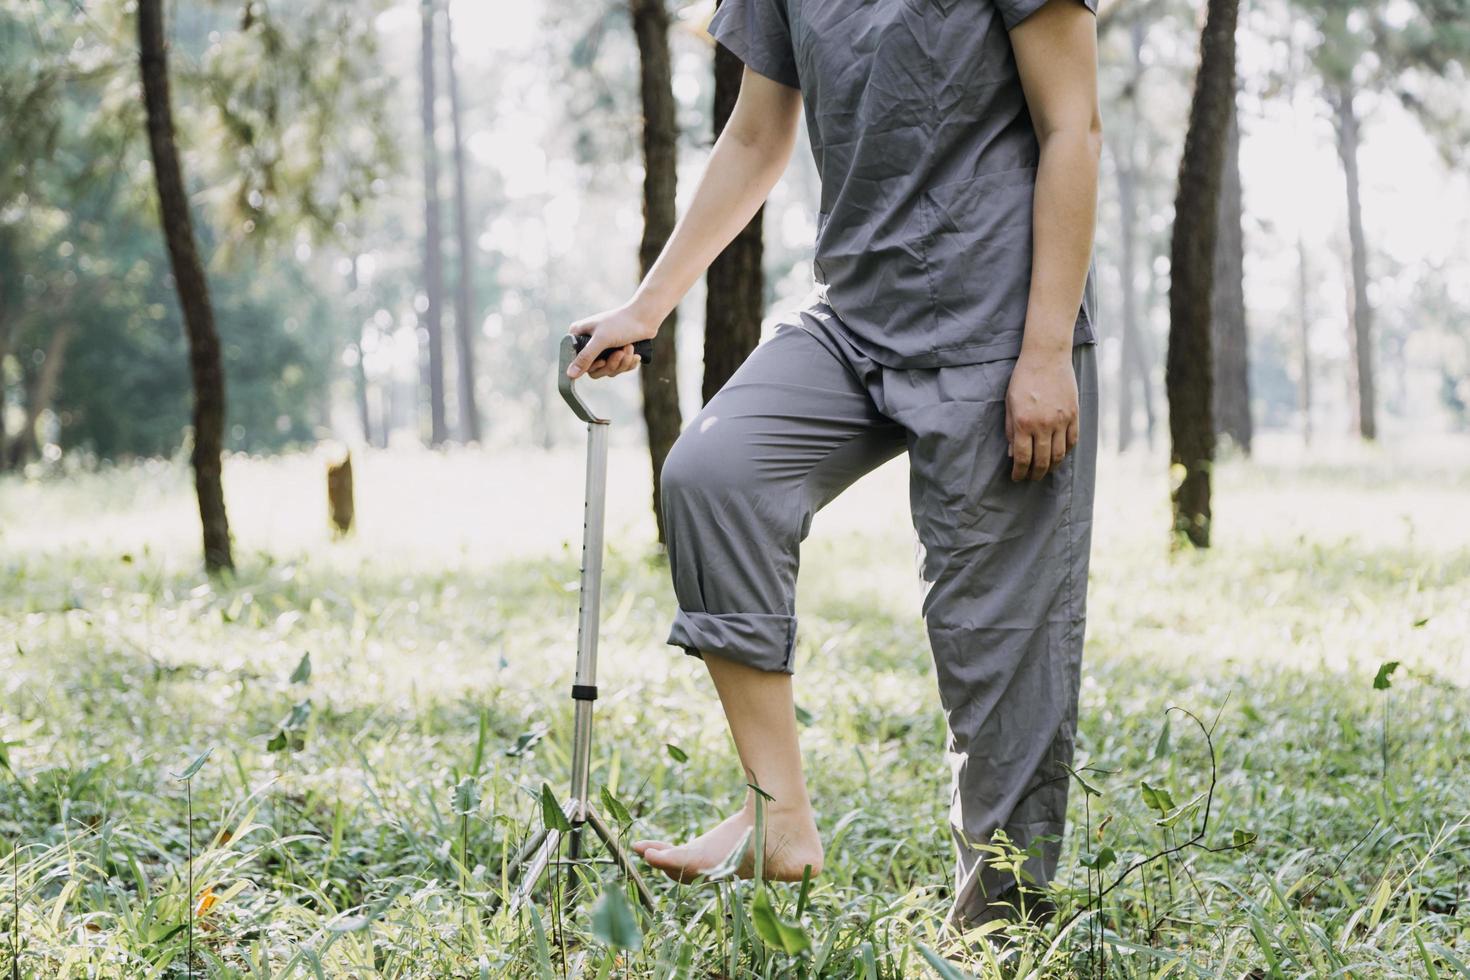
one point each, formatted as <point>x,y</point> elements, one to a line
<point>1015,11</point>
<point>758,32</point>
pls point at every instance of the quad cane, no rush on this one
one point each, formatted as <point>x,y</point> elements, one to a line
<point>540,851</point>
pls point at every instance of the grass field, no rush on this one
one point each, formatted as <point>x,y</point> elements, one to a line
<point>380,715</point>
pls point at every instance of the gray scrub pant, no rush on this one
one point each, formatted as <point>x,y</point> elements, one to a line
<point>1004,564</point>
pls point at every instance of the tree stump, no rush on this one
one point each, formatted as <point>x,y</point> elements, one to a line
<point>339,495</point>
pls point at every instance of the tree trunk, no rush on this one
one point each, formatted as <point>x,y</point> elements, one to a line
<point>1346,119</point>
<point>464,305</point>
<point>1128,264</point>
<point>205,366</point>
<point>660,131</point>
<point>8,273</point>
<point>1229,336</point>
<point>1188,368</point>
<point>1304,316</point>
<point>1127,171</point>
<point>735,284</point>
<point>433,260</point>
<point>4,353</point>
<point>1144,358</point>
<point>364,409</point>
<point>40,392</point>
<point>359,374</point>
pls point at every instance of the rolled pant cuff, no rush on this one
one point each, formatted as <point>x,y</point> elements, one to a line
<point>765,641</point>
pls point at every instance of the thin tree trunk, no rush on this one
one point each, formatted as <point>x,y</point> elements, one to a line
<point>1346,119</point>
<point>402,408</point>
<point>1144,357</point>
<point>1304,316</point>
<point>735,284</point>
<point>360,382</point>
<point>359,375</point>
<point>660,131</point>
<point>1230,337</point>
<point>1127,171</point>
<point>4,353</point>
<point>40,392</point>
<point>1188,370</point>
<point>205,366</point>
<point>1127,262</point>
<point>8,272</point>
<point>464,305</point>
<point>433,259</point>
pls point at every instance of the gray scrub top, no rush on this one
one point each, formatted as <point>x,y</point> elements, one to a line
<point>927,158</point>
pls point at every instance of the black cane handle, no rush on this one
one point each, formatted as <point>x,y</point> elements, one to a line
<point>643,348</point>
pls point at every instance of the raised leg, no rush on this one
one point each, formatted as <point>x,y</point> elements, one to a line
<point>787,433</point>
<point>762,715</point>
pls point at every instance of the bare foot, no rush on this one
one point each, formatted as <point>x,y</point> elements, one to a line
<point>792,842</point>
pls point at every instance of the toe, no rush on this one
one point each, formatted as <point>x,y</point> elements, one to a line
<point>664,858</point>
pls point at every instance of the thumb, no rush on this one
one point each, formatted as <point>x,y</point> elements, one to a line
<point>583,360</point>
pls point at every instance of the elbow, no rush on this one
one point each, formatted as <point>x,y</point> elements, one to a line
<point>1078,137</point>
<point>763,138</point>
<point>1095,137</point>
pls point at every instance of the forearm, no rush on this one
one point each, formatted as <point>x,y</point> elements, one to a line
<point>735,183</point>
<point>1064,212</point>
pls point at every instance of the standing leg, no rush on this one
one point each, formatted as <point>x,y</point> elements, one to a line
<point>787,433</point>
<point>1005,565</point>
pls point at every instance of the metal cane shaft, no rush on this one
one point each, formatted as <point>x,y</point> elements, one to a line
<point>591,604</point>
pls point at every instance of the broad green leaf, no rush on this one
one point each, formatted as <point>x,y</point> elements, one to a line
<point>613,921</point>
<point>289,733</point>
<point>615,808</point>
<point>1156,798</point>
<point>466,796</point>
<point>1161,747</point>
<point>1381,682</point>
<point>676,752</point>
<point>300,711</point>
<point>303,669</point>
<point>551,811</point>
<point>1187,809</point>
<point>525,741</point>
<point>194,766</point>
<point>775,933</point>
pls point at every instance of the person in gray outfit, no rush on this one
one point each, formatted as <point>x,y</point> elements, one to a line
<point>953,318</point>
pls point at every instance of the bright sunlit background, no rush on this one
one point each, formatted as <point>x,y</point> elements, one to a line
<point>311,747</point>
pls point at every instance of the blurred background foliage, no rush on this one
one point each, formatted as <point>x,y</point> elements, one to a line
<point>299,134</point>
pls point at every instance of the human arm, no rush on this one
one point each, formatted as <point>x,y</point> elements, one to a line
<point>746,161</point>
<point>1056,56</point>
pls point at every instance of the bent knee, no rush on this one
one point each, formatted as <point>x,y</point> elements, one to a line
<point>680,471</point>
<point>700,463</point>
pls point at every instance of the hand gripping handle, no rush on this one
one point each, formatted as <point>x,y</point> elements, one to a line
<point>571,345</point>
<point>643,348</point>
